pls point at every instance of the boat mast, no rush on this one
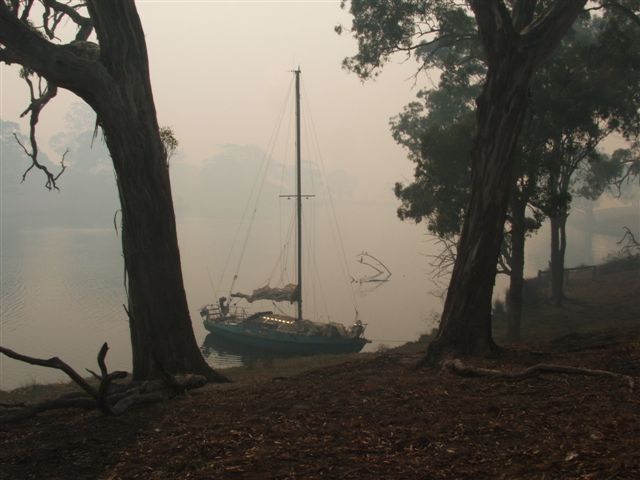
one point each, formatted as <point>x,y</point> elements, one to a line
<point>298,193</point>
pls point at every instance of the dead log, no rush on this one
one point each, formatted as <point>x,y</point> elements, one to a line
<point>458,367</point>
<point>28,411</point>
<point>155,391</point>
<point>137,399</point>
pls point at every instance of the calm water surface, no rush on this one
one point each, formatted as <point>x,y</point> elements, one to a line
<point>62,294</point>
<point>62,290</point>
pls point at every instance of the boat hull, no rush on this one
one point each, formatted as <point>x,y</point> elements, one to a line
<point>282,342</point>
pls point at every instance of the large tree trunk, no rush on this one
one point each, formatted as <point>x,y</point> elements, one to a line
<point>465,327</point>
<point>515,44</point>
<point>161,331</point>
<point>516,279</point>
<point>558,249</point>
<point>117,86</point>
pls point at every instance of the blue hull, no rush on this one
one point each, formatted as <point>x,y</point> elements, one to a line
<point>283,342</point>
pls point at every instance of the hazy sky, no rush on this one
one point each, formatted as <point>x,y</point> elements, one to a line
<point>220,71</point>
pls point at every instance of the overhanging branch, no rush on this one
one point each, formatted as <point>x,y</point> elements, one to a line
<point>40,97</point>
<point>61,65</point>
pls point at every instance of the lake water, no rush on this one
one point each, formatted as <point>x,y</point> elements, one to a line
<point>62,288</point>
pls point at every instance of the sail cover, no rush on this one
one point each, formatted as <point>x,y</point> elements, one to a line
<point>288,293</point>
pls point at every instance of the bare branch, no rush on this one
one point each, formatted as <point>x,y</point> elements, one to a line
<point>56,11</point>
<point>113,403</point>
<point>56,363</point>
<point>441,264</point>
<point>38,102</point>
<point>630,246</point>
<point>26,10</point>
<point>457,366</point>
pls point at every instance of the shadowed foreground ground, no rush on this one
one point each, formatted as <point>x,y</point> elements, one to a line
<point>371,417</point>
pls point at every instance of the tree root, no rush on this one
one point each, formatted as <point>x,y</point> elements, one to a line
<point>109,398</point>
<point>458,367</point>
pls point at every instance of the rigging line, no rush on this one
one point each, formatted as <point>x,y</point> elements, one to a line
<point>284,274</point>
<point>213,288</point>
<point>316,275</point>
<point>308,222</point>
<point>278,308</point>
<point>331,225</point>
<point>260,174</point>
<point>313,215</point>
<point>282,175</point>
<point>344,266</point>
<point>284,250</point>
<point>260,178</point>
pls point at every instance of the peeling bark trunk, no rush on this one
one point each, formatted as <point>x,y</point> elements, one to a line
<point>514,46</point>
<point>558,249</point>
<point>516,280</point>
<point>161,332</point>
<point>160,325</point>
<point>466,321</point>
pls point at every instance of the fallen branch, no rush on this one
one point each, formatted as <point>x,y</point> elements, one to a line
<point>458,367</point>
<point>155,391</point>
<point>17,414</point>
<point>56,363</point>
<point>109,400</point>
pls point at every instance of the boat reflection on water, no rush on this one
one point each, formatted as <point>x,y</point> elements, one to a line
<point>225,353</point>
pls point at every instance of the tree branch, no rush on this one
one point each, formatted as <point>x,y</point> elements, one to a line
<point>85,24</point>
<point>458,367</point>
<point>113,403</point>
<point>56,363</point>
<point>38,102</point>
<point>59,64</point>
<point>495,27</point>
<point>545,32</point>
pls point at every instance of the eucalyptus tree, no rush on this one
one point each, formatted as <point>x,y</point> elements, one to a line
<point>590,89</point>
<point>516,37</point>
<point>112,77</point>
<point>571,99</point>
<point>437,131</point>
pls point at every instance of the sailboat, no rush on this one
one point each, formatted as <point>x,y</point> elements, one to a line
<point>277,332</point>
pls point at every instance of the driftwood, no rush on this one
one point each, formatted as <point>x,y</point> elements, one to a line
<point>458,367</point>
<point>108,397</point>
